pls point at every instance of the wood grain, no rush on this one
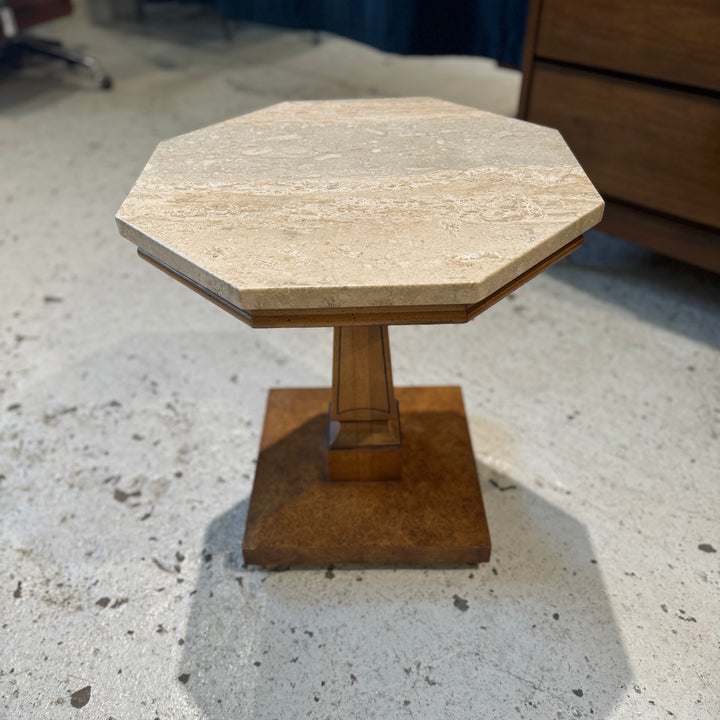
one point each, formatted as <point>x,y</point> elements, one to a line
<point>676,41</point>
<point>691,243</point>
<point>379,315</point>
<point>364,434</point>
<point>633,87</point>
<point>529,49</point>
<point>362,374</point>
<point>645,145</point>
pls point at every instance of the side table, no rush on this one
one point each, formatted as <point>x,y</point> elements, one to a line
<point>360,214</point>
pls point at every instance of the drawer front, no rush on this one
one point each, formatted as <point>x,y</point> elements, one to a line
<point>644,145</point>
<point>688,242</point>
<point>673,40</point>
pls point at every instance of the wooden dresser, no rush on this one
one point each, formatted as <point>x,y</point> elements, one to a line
<point>634,88</point>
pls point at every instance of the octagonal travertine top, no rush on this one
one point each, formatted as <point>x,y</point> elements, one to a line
<point>395,202</point>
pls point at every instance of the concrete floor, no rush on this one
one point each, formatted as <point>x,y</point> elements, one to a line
<point>130,412</point>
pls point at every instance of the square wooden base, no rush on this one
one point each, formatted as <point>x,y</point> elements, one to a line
<point>433,514</point>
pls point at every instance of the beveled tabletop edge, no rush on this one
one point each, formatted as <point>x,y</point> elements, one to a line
<point>329,297</point>
<point>337,317</point>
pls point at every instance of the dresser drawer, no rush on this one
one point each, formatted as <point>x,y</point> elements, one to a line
<point>646,145</point>
<point>673,40</point>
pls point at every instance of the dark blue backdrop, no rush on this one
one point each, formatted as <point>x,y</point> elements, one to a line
<point>492,28</point>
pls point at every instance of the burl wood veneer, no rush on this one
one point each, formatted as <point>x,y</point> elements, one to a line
<point>360,214</point>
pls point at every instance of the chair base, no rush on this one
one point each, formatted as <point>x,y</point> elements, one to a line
<point>16,47</point>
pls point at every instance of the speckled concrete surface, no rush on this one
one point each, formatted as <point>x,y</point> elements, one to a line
<point>130,412</point>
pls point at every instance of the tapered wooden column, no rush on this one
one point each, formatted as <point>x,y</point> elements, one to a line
<point>364,440</point>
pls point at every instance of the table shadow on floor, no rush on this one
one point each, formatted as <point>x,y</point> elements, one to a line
<point>533,629</point>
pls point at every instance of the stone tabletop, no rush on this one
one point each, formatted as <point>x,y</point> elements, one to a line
<point>331,204</point>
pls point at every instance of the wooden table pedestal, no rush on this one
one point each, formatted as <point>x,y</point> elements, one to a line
<point>365,472</point>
